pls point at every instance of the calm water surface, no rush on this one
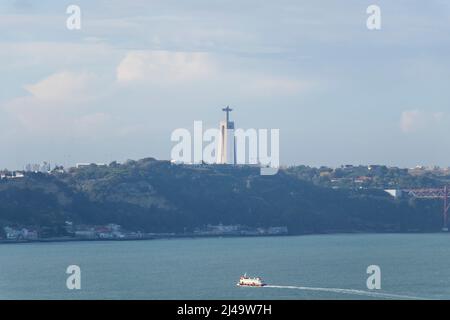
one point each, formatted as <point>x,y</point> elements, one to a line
<point>416,265</point>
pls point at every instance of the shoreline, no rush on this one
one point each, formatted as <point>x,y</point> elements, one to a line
<point>156,237</point>
<point>192,236</point>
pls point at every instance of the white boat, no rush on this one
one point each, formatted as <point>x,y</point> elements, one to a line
<point>245,281</point>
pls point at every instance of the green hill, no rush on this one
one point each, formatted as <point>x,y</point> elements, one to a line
<point>157,196</point>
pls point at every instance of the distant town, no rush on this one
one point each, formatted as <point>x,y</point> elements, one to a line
<point>116,232</point>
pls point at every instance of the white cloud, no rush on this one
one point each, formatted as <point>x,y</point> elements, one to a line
<point>203,72</point>
<point>63,86</point>
<point>41,118</point>
<point>164,66</point>
<point>78,103</point>
<point>58,104</point>
<point>416,120</point>
<point>26,55</point>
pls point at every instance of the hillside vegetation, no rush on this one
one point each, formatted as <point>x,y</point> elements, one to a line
<point>157,196</point>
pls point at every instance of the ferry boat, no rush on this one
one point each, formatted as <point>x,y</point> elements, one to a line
<point>245,281</point>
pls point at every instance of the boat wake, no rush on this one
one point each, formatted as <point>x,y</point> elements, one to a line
<point>349,291</point>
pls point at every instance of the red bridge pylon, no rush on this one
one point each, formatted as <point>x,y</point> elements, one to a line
<point>434,194</point>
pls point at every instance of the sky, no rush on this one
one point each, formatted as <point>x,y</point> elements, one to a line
<point>137,70</point>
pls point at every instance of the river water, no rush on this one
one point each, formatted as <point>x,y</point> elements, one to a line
<point>294,267</point>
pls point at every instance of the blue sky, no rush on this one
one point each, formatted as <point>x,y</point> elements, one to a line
<point>137,70</point>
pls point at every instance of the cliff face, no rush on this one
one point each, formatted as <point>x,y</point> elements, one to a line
<point>156,196</point>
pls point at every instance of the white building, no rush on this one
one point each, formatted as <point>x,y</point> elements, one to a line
<point>395,193</point>
<point>17,175</point>
<point>20,234</point>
